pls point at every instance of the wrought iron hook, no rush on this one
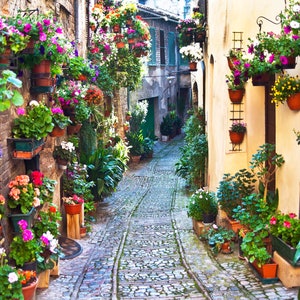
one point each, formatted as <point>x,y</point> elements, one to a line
<point>259,21</point>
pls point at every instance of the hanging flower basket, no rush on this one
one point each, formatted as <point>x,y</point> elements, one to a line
<point>236,137</point>
<point>262,79</point>
<point>293,102</point>
<point>236,96</point>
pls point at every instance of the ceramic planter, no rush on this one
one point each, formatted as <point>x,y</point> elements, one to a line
<point>193,66</point>
<point>236,137</point>
<point>293,102</point>
<point>236,96</point>
<point>266,271</point>
<point>73,209</point>
<point>29,291</point>
<point>15,218</point>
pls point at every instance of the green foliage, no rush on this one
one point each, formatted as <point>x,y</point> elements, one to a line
<point>192,163</point>
<point>35,123</point>
<point>148,145</point>
<point>82,111</point>
<point>265,162</point>
<point>138,115</point>
<point>166,126</point>
<point>136,142</point>
<point>233,188</point>
<point>8,93</point>
<point>202,202</point>
<point>9,290</point>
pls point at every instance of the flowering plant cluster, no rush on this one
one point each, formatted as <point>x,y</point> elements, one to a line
<point>284,87</point>
<point>49,40</point>
<point>27,277</point>
<point>238,77</point>
<point>94,95</point>
<point>290,17</point>
<point>286,227</point>
<point>24,194</point>
<point>11,37</point>
<point>192,52</point>
<point>24,247</point>
<point>238,127</point>
<point>141,47</point>
<point>72,200</point>
<point>70,92</point>
<point>59,119</point>
<point>202,202</point>
<point>65,151</point>
<point>10,281</point>
<point>34,122</point>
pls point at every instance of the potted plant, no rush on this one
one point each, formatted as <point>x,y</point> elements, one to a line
<point>10,281</point>
<point>79,68</point>
<point>166,127</point>
<point>141,48</point>
<point>73,204</point>
<point>60,122</point>
<point>64,153</point>
<point>193,53</point>
<point>237,132</point>
<point>236,81</point>
<point>29,281</point>
<point>8,90</point>
<point>30,128</point>
<point>234,58</point>
<point>136,146</point>
<point>23,197</point>
<point>220,239</point>
<point>203,206</point>
<point>285,235</point>
<point>24,247</point>
<point>233,188</point>
<point>287,89</point>
<point>185,30</point>
<point>148,145</point>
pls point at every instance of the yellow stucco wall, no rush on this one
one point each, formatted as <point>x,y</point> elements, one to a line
<point>224,17</point>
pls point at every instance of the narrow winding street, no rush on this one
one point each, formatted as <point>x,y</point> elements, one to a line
<point>143,247</point>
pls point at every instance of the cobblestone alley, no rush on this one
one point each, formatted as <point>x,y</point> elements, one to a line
<point>143,247</point>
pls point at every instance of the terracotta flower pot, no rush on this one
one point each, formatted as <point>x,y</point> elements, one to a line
<point>57,131</point>
<point>236,96</point>
<point>73,129</point>
<point>28,291</point>
<point>293,102</point>
<point>73,209</point>
<point>236,137</point>
<point>193,66</point>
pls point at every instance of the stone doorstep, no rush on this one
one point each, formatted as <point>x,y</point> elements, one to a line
<point>288,275</point>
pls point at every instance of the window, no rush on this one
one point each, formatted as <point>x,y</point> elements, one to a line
<point>162,47</point>
<point>152,60</point>
<point>171,48</point>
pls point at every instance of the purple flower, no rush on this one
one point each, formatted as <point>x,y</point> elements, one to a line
<point>44,240</point>
<point>21,111</point>
<point>60,49</point>
<point>57,110</point>
<point>59,30</point>
<point>295,37</point>
<point>47,22</point>
<point>283,60</point>
<point>251,49</point>
<point>271,58</point>
<point>27,28</point>
<point>27,235</point>
<point>287,29</point>
<point>247,65</point>
<point>23,224</point>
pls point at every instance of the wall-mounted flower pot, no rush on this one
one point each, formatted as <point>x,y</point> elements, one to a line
<point>5,57</point>
<point>16,217</point>
<point>27,148</point>
<point>236,137</point>
<point>236,96</point>
<point>230,62</point>
<point>291,63</point>
<point>293,102</point>
<point>73,129</point>
<point>73,209</point>
<point>57,132</point>
<point>193,66</point>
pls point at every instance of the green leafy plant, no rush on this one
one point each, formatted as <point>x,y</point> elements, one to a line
<point>79,68</point>
<point>59,119</point>
<point>238,127</point>
<point>35,122</point>
<point>24,247</point>
<point>136,142</point>
<point>65,151</point>
<point>200,203</point>
<point>265,162</point>
<point>8,93</point>
<point>166,126</point>
<point>138,115</point>
<point>233,188</point>
<point>10,281</point>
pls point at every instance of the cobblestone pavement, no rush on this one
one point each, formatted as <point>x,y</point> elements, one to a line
<point>143,247</point>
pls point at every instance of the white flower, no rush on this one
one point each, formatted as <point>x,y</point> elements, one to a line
<point>34,103</point>
<point>296,8</point>
<point>12,277</point>
<point>193,52</point>
<point>295,24</point>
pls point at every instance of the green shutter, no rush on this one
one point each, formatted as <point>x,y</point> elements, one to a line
<point>152,60</point>
<point>171,48</point>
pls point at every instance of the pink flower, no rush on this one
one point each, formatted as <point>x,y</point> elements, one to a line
<point>23,224</point>
<point>287,29</point>
<point>43,37</point>
<point>292,215</point>
<point>44,240</point>
<point>287,224</point>
<point>27,235</point>
<point>21,111</point>
<point>271,58</point>
<point>59,30</point>
<point>27,28</point>
<point>47,22</point>
<point>273,221</point>
<point>283,60</point>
